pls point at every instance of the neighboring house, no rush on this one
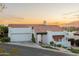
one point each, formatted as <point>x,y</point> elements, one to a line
<point>42,32</point>
<point>73,38</point>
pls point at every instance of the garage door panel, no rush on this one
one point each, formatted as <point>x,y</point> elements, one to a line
<point>21,37</point>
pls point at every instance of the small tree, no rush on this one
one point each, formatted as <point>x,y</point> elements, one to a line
<point>33,38</point>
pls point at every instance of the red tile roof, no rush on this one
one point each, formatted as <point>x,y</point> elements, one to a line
<point>38,27</point>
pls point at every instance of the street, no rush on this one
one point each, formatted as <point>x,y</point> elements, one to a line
<point>29,51</point>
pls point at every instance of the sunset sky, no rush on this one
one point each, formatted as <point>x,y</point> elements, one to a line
<point>30,13</point>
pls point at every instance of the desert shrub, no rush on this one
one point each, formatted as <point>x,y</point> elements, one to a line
<point>5,39</point>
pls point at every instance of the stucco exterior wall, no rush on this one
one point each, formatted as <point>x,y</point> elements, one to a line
<point>64,40</point>
<point>44,37</point>
<point>41,38</point>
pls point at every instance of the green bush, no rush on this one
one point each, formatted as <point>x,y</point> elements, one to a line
<point>55,45</point>
<point>59,45</point>
<point>48,46</point>
<point>52,43</point>
<point>33,38</point>
<point>5,39</point>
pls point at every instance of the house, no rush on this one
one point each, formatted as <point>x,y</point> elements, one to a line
<point>74,38</point>
<point>42,33</point>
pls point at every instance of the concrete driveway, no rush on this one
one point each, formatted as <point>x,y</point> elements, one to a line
<point>26,43</point>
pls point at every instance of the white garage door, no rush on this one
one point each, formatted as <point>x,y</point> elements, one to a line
<point>21,37</point>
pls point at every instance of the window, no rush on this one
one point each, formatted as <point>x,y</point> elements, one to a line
<point>58,37</point>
